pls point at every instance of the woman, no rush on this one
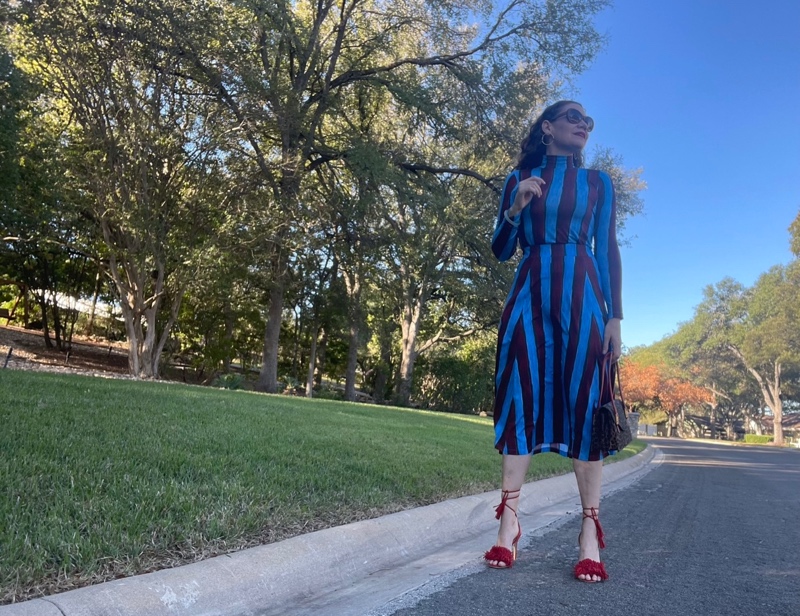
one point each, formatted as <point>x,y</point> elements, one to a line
<point>562,315</point>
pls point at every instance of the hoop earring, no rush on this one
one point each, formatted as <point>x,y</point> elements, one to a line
<point>546,143</point>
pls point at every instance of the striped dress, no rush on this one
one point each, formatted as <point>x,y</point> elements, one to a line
<point>567,284</point>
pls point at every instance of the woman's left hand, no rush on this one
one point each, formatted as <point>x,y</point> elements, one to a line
<point>613,338</point>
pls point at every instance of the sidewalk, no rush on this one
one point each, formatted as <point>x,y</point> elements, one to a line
<point>348,570</point>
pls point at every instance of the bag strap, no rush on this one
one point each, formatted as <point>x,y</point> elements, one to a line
<point>606,378</point>
<point>619,384</point>
<point>611,368</point>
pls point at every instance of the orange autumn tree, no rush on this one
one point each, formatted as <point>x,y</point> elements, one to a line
<point>641,383</point>
<point>652,386</point>
<point>677,394</point>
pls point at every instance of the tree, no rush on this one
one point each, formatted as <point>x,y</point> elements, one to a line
<point>758,327</point>
<point>44,243</point>
<point>768,341</point>
<point>657,386</point>
<point>675,395</point>
<point>714,367</point>
<point>628,184</point>
<point>140,150</point>
<point>283,72</point>
<point>641,383</point>
<point>328,168</point>
<point>14,93</point>
<point>794,234</point>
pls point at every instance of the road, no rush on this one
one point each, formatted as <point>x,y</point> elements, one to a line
<point>714,530</point>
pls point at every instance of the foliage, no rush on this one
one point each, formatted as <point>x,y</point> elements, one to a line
<point>640,383</point>
<point>759,439</point>
<point>738,355</point>
<point>229,381</point>
<point>460,381</point>
<point>328,393</point>
<point>13,95</point>
<point>137,145</point>
<point>44,245</point>
<point>651,416</point>
<point>653,388</point>
<point>305,189</point>
<point>628,185</point>
<point>794,233</point>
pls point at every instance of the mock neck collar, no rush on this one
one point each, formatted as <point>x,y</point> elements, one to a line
<point>558,161</point>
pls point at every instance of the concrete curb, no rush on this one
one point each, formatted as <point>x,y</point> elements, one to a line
<point>274,577</point>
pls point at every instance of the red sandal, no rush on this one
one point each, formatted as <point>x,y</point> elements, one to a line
<point>498,552</point>
<point>587,566</point>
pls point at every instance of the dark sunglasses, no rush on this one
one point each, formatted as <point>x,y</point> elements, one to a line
<point>575,117</point>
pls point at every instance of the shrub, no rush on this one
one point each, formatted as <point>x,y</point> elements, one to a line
<point>229,381</point>
<point>327,393</point>
<point>458,380</point>
<point>759,439</point>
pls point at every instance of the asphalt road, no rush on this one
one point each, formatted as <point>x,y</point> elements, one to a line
<point>714,530</point>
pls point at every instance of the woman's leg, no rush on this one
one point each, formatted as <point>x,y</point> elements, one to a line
<point>589,476</point>
<point>514,470</point>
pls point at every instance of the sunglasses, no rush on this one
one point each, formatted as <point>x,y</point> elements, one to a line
<point>575,117</point>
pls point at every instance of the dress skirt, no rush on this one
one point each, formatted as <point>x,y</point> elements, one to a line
<point>549,352</point>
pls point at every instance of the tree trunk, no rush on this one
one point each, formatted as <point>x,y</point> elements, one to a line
<point>771,392</point>
<point>777,404</point>
<point>148,364</point>
<point>57,322</point>
<point>352,360</point>
<point>287,196</point>
<point>26,310</point>
<point>412,320</point>
<point>42,301</point>
<point>268,377</point>
<point>672,420</point>
<point>384,368</point>
<point>353,285</point>
<point>312,360</point>
<point>714,420</point>
<point>133,339</point>
<point>228,338</point>
<point>146,368</point>
<point>175,307</point>
<point>95,296</point>
<point>322,351</point>
<point>297,354</point>
<point>129,291</point>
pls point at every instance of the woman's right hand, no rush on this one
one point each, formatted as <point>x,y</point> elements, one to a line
<point>527,190</point>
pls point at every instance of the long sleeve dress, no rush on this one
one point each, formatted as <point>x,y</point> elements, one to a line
<point>568,283</point>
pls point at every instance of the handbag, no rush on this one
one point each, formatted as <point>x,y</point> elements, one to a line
<point>610,429</point>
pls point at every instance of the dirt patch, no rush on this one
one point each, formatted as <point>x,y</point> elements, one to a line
<point>86,356</point>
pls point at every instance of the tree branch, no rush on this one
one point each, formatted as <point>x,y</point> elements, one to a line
<point>440,338</point>
<point>490,182</point>
<point>447,60</point>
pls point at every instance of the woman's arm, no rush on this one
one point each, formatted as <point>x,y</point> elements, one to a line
<point>504,241</point>
<point>609,261</point>
<point>516,197</point>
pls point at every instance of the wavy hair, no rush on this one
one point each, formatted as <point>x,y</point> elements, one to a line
<point>532,151</point>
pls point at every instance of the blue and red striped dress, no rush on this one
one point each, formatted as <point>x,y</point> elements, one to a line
<point>568,282</point>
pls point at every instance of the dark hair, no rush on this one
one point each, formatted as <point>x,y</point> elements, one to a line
<point>533,150</point>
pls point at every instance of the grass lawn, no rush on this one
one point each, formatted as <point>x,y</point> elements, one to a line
<point>105,478</point>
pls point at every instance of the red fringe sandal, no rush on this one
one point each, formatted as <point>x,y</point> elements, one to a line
<point>587,566</point>
<point>498,552</point>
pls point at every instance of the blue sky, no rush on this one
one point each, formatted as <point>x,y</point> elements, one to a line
<point>703,95</point>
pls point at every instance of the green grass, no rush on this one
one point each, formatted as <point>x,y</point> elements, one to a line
<point>104,478</point>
